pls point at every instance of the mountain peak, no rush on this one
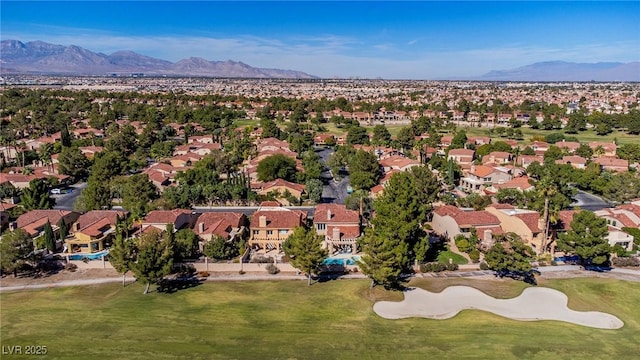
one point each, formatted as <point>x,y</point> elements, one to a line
<point>568,71</point>
<point>44,58</point>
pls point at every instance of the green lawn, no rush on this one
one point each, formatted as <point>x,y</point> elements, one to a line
<point>585,136</point>
<point>288,320</point>
<point>444,257</point>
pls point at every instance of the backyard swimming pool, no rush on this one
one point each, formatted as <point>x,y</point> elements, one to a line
<point>93,256</point>
<point>341,260</point>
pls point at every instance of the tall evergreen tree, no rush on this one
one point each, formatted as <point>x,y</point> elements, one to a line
<point>154,258</point>
<point>304,248</point>
<point>49,238</point>
<point>587,239</point>
<point>385,256</point>
<point>62,229</point>
<point>122,251</point>
<point>36,196</point>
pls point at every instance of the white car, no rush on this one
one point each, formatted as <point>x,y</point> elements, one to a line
<point>56,191</point>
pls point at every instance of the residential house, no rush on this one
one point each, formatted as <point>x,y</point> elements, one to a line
<point>464,157</point>
<point>339,226</point>
<point>497,158</point>
<point>159,219</point>
<point>34,221</point>
<point>93,231</point>
<point>480,177</point>
<point>578,162</point>
<point>272,225</point>
<point>230,226</point>
<point>450,221</point>
<point>525,223</point>
<point>280,188</point>
<point>612,164</point>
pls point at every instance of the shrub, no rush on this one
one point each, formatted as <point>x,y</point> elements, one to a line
<point>484,266</point>
<point>262,260</point>
<point>241,272</point>
<point>203,274</point>
<point>272,269</point>
<point>437,267</point>
<point>71,267</point>
<point>474,255</point>
<point>625,261</point>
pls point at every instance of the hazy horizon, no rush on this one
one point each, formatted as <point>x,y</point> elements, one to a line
<point>394,40</point>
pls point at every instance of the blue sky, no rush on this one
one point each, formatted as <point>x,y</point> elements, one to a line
<point>395,40</point>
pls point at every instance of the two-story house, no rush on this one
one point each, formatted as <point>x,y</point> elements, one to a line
<point>271,226</point>
<point>339,226</point>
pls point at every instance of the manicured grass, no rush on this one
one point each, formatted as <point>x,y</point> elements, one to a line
<point>584,136</point>
<point>444,257</point>
<point>287,319</point>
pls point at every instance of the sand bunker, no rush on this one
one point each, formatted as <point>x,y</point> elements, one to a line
<point>533,304</point>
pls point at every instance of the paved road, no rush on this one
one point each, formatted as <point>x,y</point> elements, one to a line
<point>248,210</point>
<point>564,271</point>
<point>588,201</point>
<point>67,201</point>
<point>333,191</point>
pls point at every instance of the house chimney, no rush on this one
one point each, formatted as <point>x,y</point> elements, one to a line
<point>328,215</point>
<point>488,237</point>
<point>201,227</point>
<point>336,233</point>
<point>262,221</point>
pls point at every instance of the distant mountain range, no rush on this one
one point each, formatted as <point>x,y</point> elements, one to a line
<point>38,57</point>
<point>568,71</point>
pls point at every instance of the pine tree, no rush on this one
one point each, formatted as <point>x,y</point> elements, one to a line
<point>62,229</point>
<point>121,253</point>
<point>304,248</point>
<point>49,238</point>
<point>385,256</point>
<point>154,258</point>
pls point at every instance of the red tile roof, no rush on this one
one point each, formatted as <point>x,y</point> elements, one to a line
<point>278,218</point>
<point>339,214</point>
<point>219,223</point>
<point>346,232</point>
<point>95,216</point>
<point>165,216</point>
<point>476,218</point>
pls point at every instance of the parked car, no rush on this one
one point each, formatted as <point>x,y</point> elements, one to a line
<point>56,191</point>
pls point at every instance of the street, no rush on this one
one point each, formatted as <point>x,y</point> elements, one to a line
<point>67,201</point>
<point>590,202</point>
<point>333,191</point>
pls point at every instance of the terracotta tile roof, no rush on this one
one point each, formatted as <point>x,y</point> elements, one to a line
<point>461,152</point>
<point>521,183</point>
<point>346,232</point>
<point>165,216</point>
<point>565,219</point>
<point>97,228</point>
<point>219,223</point>
<point>447,210</point>
<point>481,170</point>
<point>531,220</point>
<point>502,206</point>
<point>6,206</point>
<point>94,216</point>
<point>278,218</point>
<point>32,216</point>
<point>283,183</point>
<point>339,214</point>
<point>476,218</point>
<point>398,162</point>
<point>630,207</point>
<point>15,178</point>
<point>495,230</point>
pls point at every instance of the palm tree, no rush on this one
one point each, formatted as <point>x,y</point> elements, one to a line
<point>546,188</point>
<point>44,153</point>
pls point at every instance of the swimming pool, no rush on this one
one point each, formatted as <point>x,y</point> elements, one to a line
<point>341,260</point>
<point>93,256</point>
